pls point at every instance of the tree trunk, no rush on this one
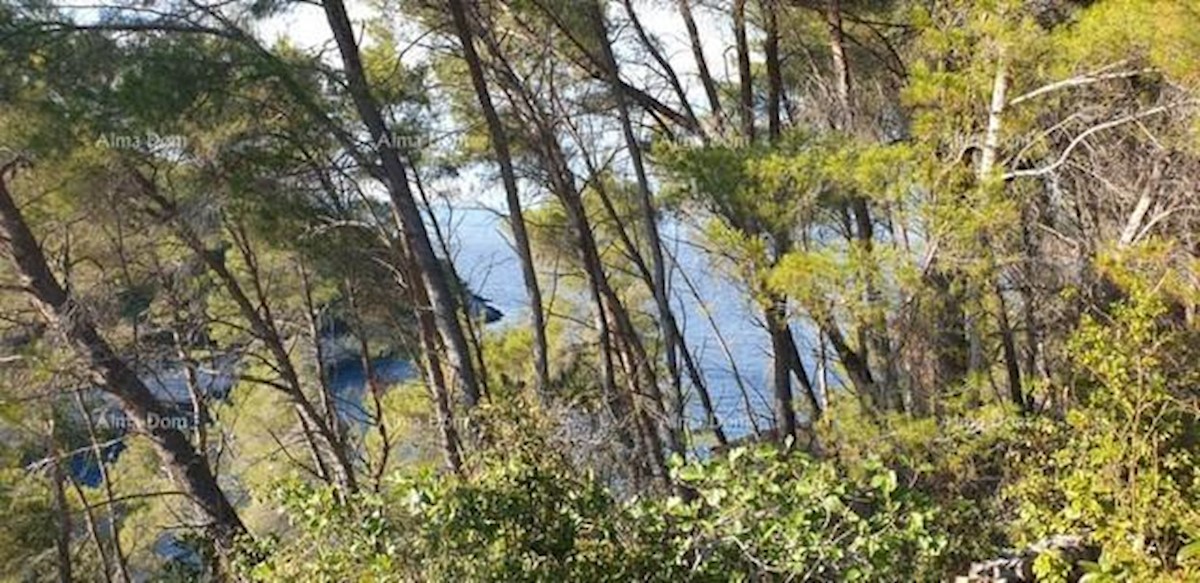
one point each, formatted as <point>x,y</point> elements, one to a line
<point>619,323</point>
<point>62,533</point>
<point>706,78</point>
<point>668,70</point>
<point>432,276</point>
<point>843,118</point>
<point>746,82</point>
<point>93,528</point>
<point>332,419</point>
<point>987,164</point>
<point>711,419</point>
<point>358,328</point>
<point>508,176</point>
<point>653,240</point>
<point>855,365</point>
<point>184,465</point>
<point>774,73</point>
<point>785,412</point>
<point>262,325</point>
<point>113,519</point>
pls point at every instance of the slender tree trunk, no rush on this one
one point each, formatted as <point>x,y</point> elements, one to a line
<point>693,370</point>
<point>706,78</point>
<point>262,326</point>
<point>183,464</point>
<point>435,378</point>
<point>62,533</point>
<point>113,519</point>
<point>332,419</point>
<point>620,406</point>
<point>636,359</point>
<point>359,330</point>
<point>508,176</point>
<point>93,528</point>
<point>472,325</point>
<point>663,63</point>
<point>987,164</point>
<point>786,357</point>
<point>195,395</point>
<point>991,138</point>
<point>650,232</point>
<point>1008,343</point>
<point>843,118</point>
<point>746,82</point>
<point>314,424</point>
<point>874,333</point>
<point>619,323</point>
<point>640,370</point>
<point>853,362</point>
<point>451,444</point>
<point>777,328</point>
<point>770,10</point>
<point>796,364</point>
<point>743,390</point>
<point>432,276</point>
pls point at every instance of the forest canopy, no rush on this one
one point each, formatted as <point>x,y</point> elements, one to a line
<point>239,340</point>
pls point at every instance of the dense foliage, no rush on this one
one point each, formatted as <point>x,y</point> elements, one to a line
<point>238,340</point>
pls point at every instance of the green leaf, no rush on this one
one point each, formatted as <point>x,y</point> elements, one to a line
<point>1189,551</point>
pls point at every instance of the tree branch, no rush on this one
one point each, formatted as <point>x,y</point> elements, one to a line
<point>1066,153</point>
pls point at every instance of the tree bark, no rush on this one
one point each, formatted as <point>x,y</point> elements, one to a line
<point>770,10</point>
<point>432,276</point>
<point>706,78</point>
<point>500,145</point>
<point>843,118</point>
<point>745,81</point>
<point>777,327</point>
<point>111,374</point>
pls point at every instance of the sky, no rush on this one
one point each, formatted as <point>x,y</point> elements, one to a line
<point>304,26</point>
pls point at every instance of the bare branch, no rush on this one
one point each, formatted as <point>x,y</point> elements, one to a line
<point>1066,154</point>
<point>1085,79</point>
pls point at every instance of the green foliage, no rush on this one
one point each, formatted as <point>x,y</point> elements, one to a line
<point>244,144</point>
<point>518,520</point>
<point>26,544</point>
<point>523,517</point>
<point>1122,466</point>
<point>759,513</point>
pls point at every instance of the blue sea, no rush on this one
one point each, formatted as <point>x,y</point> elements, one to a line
<point>709,306</point>
<point>483,254</point>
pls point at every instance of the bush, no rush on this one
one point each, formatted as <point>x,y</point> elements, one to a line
<point>751,515</point>
<point>1121,468</point>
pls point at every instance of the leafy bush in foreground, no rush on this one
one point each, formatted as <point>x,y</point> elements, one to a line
<point>753,514</point>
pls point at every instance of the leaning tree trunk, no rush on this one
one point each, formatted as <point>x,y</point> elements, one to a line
<point>508,176</point>
<point>650,231</point>
<point>187,468</point>
<point>432,275</point>
<point>706,78</point>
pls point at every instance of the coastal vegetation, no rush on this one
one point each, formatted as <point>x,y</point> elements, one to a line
<point>236,344</point>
